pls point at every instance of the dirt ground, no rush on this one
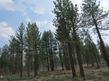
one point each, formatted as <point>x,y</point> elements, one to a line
<point>92,74</point>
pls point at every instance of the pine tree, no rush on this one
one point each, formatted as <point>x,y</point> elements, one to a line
<point>94,15</point>
<point>32,45</point>
<point>14,49</point>
<point>20,39</point>
<point>51,56</point>
<point>48,40</point>
<point>5,59</point>
<point>45,46</point>
<point>63,29</point>
<point>60,54</point>
<point>28,49</point>
<point>91,51</point>
<point>74,20</point>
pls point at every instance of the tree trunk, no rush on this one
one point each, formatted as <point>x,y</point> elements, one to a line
<point>51,59</point>
<point>48,61</point>
<point>28,71</point>
<point>21,57</point>
<point>97,62</point>
<point>21,64</point>
<point>79,60</point>
<point>66,58</point>
<point>71,60</point>
<point>48,68</point>
<point>35,65</point>
<point>102,45</point>
<point>61,60</point>
<point>77,47</point>
<point>28,66</point>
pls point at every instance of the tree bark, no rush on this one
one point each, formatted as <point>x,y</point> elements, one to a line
<point>35,65</point>
<point>71,60</point>
<point>61,60</point>
<point>48,61</point>
<point>51,59</point>
<point>66,58</point>
<point>21,64</point>
<point>28,66</point>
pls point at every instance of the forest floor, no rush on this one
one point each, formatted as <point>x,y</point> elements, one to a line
<point>91,74</point>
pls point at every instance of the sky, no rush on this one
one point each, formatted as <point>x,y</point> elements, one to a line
<point>14,12</point>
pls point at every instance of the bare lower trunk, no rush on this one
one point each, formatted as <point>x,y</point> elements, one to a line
<point>28,67</point>
<point>66,58</point>
<point>21,65</point>
<point>51,59</point>
<point>79,60</point>
<point>48,68</point>
<point>97,62</point>
<point>61,60</point>
<point>36,65</point>
<point>71,60</point>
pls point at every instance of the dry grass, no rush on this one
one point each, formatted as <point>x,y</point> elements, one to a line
<point>92,74</point>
